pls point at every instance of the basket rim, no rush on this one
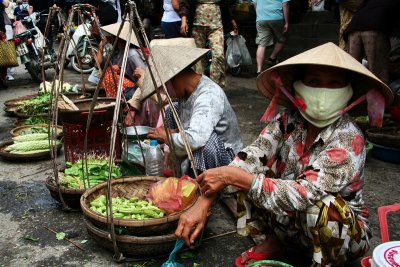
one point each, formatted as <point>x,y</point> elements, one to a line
<point>378,131</point>
<point>21,98</point>
<point>130,238</point>
<point>50,184</point>
<point>23,115</point>
<point>16,129</point>
<point>127,222</point>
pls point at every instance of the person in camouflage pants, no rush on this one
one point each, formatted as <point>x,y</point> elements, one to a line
<point>207,22</point>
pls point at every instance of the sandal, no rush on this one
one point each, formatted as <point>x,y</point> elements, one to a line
<point>252,255</point>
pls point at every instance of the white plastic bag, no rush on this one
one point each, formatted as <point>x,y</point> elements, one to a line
<point>237,53</point>
<point>318,6</point>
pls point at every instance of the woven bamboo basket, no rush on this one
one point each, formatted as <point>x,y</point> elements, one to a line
<point>11,110</point>
<point>17,131</point>
<point>386,136</point>
<point>130,187</point>
<point>18,101</point>
<point>23,157</point>
<point>71,197</point>
<point>19,114</point>
<point>135,246</point>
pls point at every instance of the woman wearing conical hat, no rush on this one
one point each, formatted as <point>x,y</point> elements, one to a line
<point>135,60</point>
<point>304,174</point>
<point>208,119</point>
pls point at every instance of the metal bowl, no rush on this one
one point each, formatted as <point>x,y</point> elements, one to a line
<point>140,132</point>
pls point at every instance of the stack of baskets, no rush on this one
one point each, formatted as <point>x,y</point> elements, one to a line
<point>144,238</point>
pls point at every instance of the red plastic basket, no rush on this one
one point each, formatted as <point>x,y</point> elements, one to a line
<point>98,141</point>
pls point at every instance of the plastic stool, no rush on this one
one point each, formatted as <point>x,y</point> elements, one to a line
<point>382,215</point>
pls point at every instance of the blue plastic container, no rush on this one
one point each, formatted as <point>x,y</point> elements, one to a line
<point>385,153</point>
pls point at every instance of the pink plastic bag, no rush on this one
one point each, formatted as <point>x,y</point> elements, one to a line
<point>173,194</point>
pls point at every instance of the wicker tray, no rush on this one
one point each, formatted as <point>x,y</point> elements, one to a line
<point>25,116</point>
<point>11,110</point>
<point>23,157</point>
<point>385,136</point>
<point>133,245</point>
<point>71,197</point>
<point>129,187</point>
<point>18,101</point>
<point>17,131</point>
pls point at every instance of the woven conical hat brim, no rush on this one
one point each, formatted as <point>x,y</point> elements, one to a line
<point>114,28</point>
<point>170,61</point>
<point>327,54</point>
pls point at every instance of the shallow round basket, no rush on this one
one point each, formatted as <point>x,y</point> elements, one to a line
<point>269,263</point>
<point>385,136</point>
<point>25,116</point>
<point>101,114</point>
<point>18,101</point>
<point>23,157</point>
<point>137,246</point>
<point>17,131</point>
<point>77,96</point>
<point>71,197</point>
<point>385,153</point>
<point>11,110</point>
<point>129,187</point>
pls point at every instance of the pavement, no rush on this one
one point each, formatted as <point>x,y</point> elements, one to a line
<point>26,206</point>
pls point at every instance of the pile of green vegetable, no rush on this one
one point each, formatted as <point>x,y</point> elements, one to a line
<point>33,130</point>
<point>124,208</point>
<point>30,143</point>
<point>38,105</point>
<point>35,120</point>
<point>74,175</point>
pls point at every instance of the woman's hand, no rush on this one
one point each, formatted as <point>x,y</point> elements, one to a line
<point>139,72</point>
<point>235,27</point>
<point>214,180</point>
<point>192,222</point>
<point>130,118</point>
<point>184,26</point>
<point>159,134</point>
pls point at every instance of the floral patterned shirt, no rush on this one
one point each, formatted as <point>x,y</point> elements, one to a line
<point>333,164</point>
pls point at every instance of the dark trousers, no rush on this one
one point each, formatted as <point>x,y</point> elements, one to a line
<point>171,29</point>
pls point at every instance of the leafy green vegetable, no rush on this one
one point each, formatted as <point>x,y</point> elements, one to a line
<point>38,105</point>
<point>75,177</point>
<point>35,120</point>
<point>60,235</point>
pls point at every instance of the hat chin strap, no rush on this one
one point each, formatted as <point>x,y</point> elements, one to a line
<point>270,112</point>
<point>375,106</point>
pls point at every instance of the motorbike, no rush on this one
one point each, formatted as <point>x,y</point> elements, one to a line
<point>32,47</point>
<point>80,53</point>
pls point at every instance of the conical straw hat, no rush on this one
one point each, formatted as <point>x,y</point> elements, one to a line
<point>170,61</point>
<point>327,54</point>
<point>113,29</point>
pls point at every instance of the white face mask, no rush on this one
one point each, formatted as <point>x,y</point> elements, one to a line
<point>324,105</point>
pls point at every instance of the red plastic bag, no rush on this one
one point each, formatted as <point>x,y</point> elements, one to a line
<point>173,194</point>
